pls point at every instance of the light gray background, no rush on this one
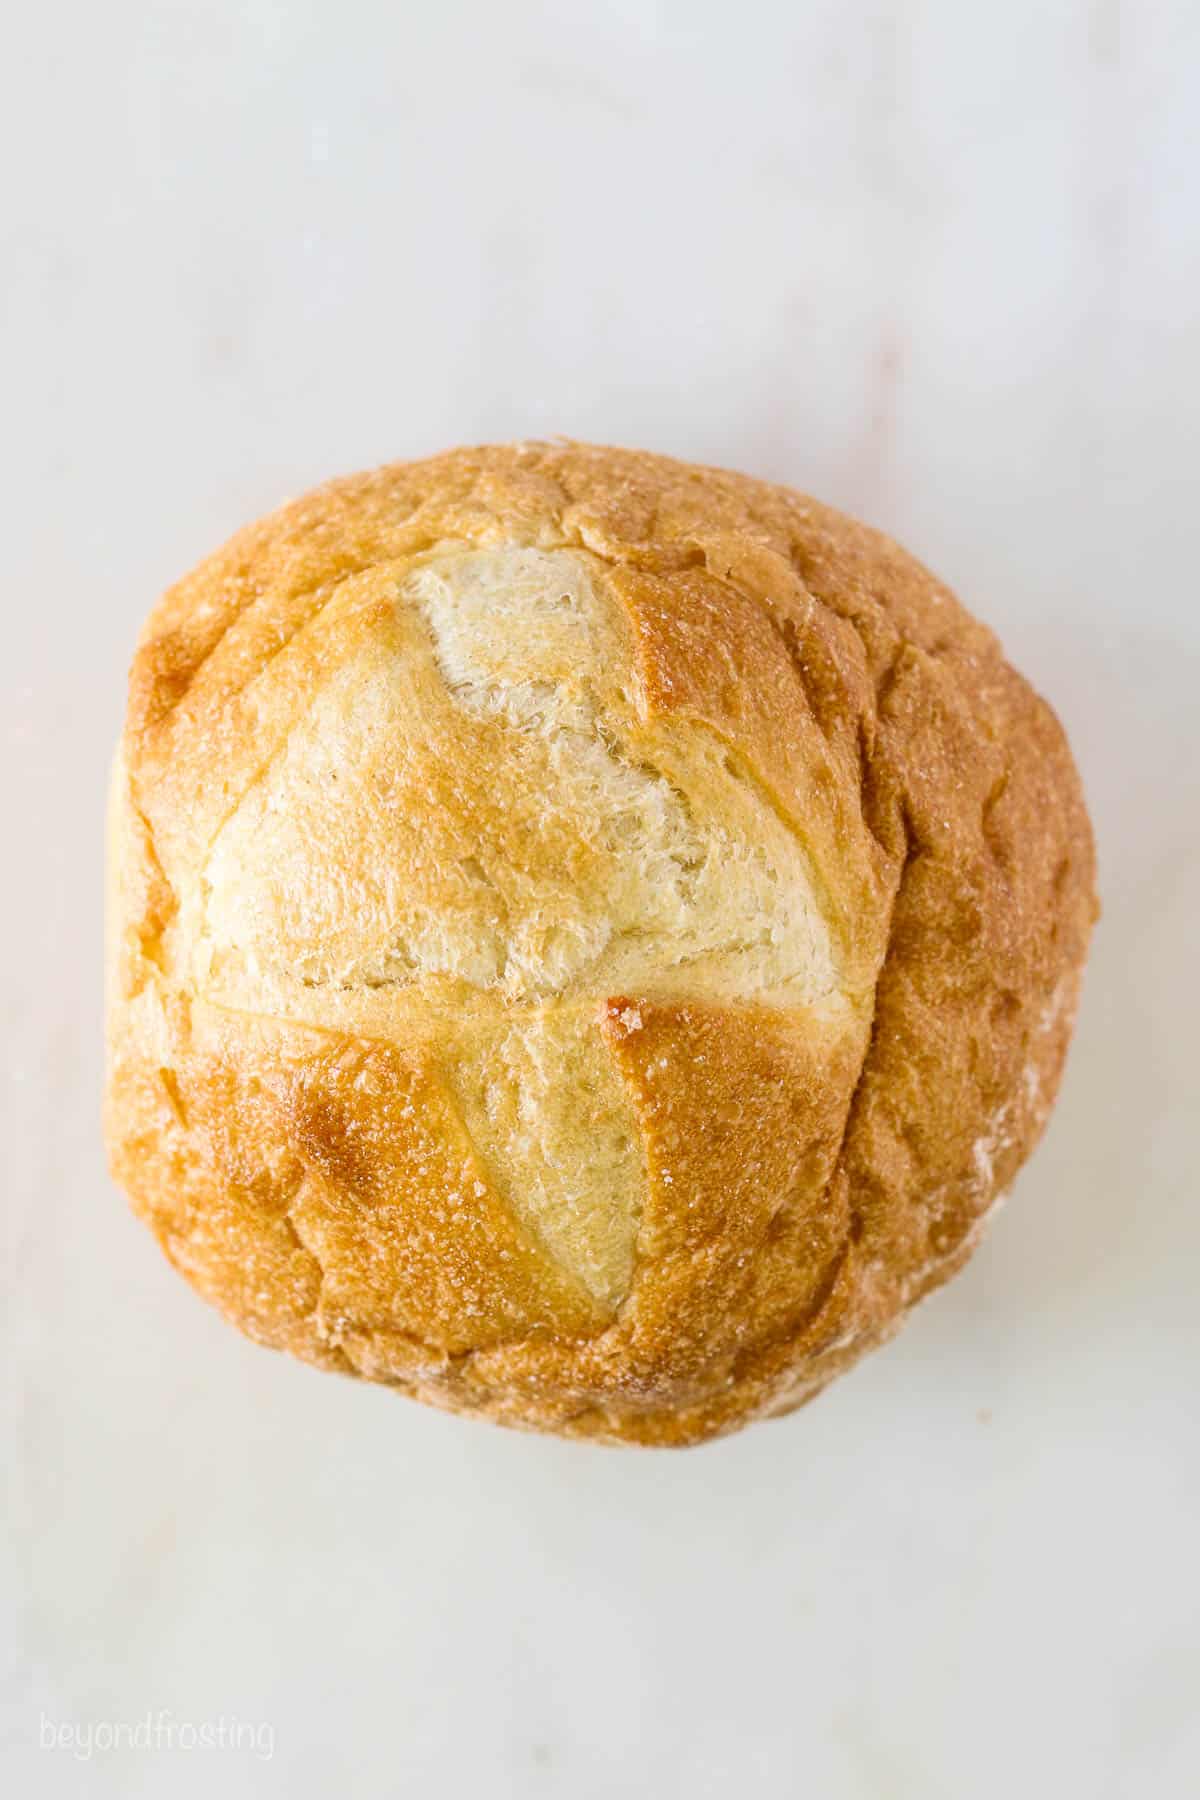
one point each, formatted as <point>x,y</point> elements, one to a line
<point>938,263</point>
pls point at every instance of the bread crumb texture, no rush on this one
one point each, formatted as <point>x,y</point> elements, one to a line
<point>589,937</point>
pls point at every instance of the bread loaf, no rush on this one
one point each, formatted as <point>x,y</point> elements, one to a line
<point>590,937</point>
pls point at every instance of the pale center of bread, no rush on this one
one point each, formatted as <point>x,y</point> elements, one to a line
<point>477,816</point>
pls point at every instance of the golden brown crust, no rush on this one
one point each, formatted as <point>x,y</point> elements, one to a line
<point>809,1167</point>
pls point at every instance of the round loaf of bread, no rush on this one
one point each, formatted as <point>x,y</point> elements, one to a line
<point>590,937</point>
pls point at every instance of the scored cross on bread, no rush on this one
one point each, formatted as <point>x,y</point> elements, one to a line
<point>591,936</point>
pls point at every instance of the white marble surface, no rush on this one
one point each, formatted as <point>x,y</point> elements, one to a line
<point>939,263</point>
